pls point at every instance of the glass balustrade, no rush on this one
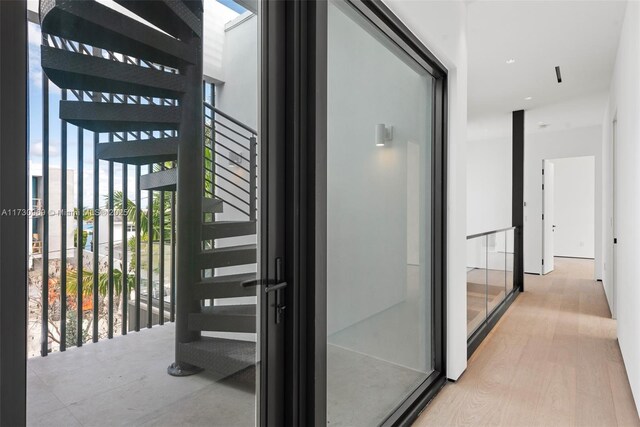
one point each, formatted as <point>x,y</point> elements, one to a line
<point>490,260</point>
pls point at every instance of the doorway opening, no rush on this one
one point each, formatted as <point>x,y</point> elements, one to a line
<point>568,210</point>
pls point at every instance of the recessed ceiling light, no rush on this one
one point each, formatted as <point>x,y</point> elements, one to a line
<point>511,61</point>
<point>528,98</point>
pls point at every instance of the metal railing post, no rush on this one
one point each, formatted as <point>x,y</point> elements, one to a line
<point>253,158</point>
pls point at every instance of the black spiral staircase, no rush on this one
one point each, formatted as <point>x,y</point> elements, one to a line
<point>144,83</point>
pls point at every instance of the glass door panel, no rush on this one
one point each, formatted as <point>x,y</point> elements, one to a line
<point>111,109</point>
<point>379,167</point>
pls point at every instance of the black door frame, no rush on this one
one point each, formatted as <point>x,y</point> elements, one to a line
<point>13,225</point>
<point>307,204</point>
<point>294,78</point>
<point>273,226</point>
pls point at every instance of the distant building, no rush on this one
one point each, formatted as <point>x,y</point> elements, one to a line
<point>36,212</point>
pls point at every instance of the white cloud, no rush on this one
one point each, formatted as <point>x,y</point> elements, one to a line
<point>35,148</point>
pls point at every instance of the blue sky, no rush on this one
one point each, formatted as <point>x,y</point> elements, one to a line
<point>232,5</point>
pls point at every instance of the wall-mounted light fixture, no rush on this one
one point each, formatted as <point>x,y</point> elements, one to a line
<point>235,159</point>
<point>384,134</point>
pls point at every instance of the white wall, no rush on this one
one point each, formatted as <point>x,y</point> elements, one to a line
<point>216,16</point>
<point>442,27</point>
<point>489,180</point>
<point>574,207</point>
<point>238,95</point>
<point>584,141</point>
<point>624,103</point>
<point>367,194</point>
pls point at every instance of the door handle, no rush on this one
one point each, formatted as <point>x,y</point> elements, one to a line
<point>269,284</point>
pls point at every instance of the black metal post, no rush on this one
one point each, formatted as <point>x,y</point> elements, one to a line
<point>125,264</point>
<point>44,338</point>
<point>172,283</point>
<point>110,247</point>
<point>189,212</point>
<point>138,250</point>
<point>79,236</point>
<point>253,159</point>
<point>150,232</point>
<point>161,260</point>
<point>13,228</point>
<point>96,235</point>
<point>63,231</point>
<point>518,197</point>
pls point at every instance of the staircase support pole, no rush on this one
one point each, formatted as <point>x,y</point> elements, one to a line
<point>189,209</point>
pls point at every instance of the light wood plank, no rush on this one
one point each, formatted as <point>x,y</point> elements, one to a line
<point>552,360</point>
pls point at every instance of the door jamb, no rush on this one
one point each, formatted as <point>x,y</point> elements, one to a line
<point>13,195</point>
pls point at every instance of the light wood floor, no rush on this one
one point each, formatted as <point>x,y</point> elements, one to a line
<point>552,360</point>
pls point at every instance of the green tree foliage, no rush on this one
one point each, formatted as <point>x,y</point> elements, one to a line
<point>103,282</point>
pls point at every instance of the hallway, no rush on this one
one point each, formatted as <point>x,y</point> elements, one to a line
<point>552,360</point>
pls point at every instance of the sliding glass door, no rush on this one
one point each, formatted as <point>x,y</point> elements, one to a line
<point>381,301</point>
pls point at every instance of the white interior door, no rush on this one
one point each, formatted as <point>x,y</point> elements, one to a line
<point>548,227</point>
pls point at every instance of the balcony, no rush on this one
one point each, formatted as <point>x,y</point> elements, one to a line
<point>124,381</point>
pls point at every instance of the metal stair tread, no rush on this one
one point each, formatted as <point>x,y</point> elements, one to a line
<point>225,229</point>
<point>228,249</point>
<point>71,70</point>
<point>228,286</point>
<point>113,117</point>
<point>248,310</point>
<point>224,318</point>
<point>139,152</point>
<point>211,205</point>
<point>98,25</point>
<point>164,180</point>
<point>228,256</point>
<point>229,278</point>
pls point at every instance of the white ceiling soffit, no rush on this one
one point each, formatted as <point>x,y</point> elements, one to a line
<point>579,36</point>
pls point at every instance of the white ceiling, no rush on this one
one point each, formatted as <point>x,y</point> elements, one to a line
<point>580,36</point>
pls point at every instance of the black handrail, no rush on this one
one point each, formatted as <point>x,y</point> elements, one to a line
<point>486,233</point>
<point>231,119</point>
<point>221,136</point>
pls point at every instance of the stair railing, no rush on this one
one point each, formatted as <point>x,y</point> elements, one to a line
<point>230,150</point>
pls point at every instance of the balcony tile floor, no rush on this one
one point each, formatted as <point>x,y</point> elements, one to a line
<point>123,381</point>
